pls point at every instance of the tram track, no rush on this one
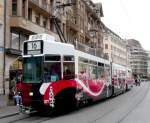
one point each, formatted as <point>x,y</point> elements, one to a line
<point>136,96</point>
<point>136,105</point>
<point>29,119</point>
<point>35,118</point>
<point>112,109</point>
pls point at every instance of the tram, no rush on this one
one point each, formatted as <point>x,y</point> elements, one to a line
<point>56,76</point>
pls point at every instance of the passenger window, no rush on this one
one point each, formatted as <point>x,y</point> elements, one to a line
<point>52,68</point>
<point>68,67</point>
<point>52,72</point>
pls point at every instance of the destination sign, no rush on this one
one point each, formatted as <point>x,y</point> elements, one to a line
<point>33,47</point>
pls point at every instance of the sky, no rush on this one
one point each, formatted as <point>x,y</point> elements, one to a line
<point>130,19</point>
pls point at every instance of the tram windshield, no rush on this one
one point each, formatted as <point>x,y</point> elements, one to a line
<point>32,72</point>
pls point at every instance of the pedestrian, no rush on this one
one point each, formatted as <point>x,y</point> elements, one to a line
<point>18,99</point>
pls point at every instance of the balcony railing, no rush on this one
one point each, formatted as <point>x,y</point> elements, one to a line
<point>72,22</point>
<point>87,34</point>
<point>43,6</point>
<point>87,49</point>
<point>35,1</point>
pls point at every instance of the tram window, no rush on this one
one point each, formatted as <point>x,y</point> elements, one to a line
<point>68,70</point>
<point>107,73</point>
<point>92,62</point>
<point>52,71</point>
<point>83,71</point>
<point>100,72</point>
<point>83,60</point>
<point>92,72</point>
<point>68,58</point>
<point>52,58</point>
<point>100,64</point>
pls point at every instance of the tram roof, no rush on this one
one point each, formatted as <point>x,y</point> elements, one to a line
<point>58,48</point>
<point>51,46</point>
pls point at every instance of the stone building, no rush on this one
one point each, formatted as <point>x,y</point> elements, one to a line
<point>138,59</point>
<point>114,47</point>
<point>1,44</point>
<point>84,26</point>
<point>148,65</point>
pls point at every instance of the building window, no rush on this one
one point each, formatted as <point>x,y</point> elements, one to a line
<point>63,28</point>
<point>44,22</point>
<point>14,7</point>
<point>51,25</point>
<point>106,46</point>
<point>23,8</point>
<point>37,19</point>
<point>30,14</point>
<point>23,37</point>
<point>17,39</point>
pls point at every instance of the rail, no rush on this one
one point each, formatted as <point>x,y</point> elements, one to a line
<point>42,5</point>
<point>87,49</point>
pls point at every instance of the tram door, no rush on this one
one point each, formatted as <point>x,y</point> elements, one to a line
<point>15,76</point>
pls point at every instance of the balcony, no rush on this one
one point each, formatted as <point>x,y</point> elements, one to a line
<point>35,1</point>
<point>87,49</point>
<point>23,24</point>
<point>42,7</point>
<point>72,22</point>
<point>87,35</point>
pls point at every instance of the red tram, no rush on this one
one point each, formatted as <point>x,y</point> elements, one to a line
<point>56,76</point>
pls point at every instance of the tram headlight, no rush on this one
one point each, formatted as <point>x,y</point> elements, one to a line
<point>31,94</point>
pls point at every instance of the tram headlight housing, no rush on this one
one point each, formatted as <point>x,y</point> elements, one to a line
<point>30,93</point>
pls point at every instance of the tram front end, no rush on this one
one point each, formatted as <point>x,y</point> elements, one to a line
<point>44,64</point>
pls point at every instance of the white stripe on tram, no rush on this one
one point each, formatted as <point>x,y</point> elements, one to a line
<point>88,90</point>
<point>44,87</point>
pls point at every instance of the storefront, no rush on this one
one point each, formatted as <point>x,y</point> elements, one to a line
<point>15,74</point>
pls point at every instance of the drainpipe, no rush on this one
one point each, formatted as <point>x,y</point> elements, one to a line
<point>4,46</point>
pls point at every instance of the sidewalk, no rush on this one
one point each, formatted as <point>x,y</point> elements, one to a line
<point>9,111</point>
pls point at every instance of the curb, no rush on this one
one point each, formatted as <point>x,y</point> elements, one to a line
<point>9,115</point>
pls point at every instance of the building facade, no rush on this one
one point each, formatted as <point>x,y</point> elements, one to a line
<point>24,17</point>
<point>79,22</point>
<point>128,55</point>
<point>138,59</point>
<point>114,47</point>
<point>1,45</point>
<point>84,26</point>
<point>148,64</point>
